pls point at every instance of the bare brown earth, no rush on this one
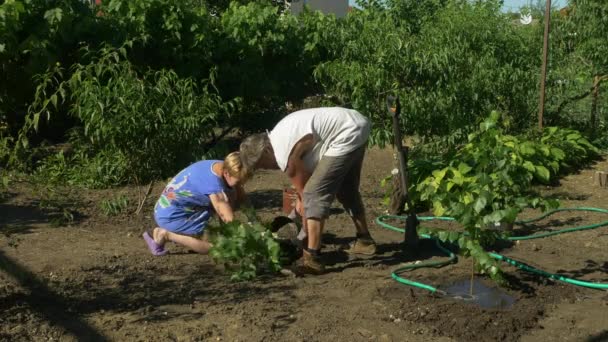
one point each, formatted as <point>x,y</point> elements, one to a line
<point>94,279</point>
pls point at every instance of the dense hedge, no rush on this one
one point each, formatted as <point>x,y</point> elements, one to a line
<point>239,63</point>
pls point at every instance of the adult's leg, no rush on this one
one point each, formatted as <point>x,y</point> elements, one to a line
<point>350,196</point>
<point>161,236</point>
<point>319,193</point>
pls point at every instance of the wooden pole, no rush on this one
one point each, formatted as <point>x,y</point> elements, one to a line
<point>543,75</point>
<point>594,98</point>
<point>411,238</point>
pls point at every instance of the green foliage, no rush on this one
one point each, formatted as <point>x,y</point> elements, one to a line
<point>179,35</point>
<point>100,170</point>
<point>5,149</point>
<point>569,148</point>
<point>79,73</point>
<point>489,181</point>
<point>578,56</point>
<point>420,166</point>
<point>114,206</point>
<point>465,60</point>
<point>59,203</point>
<point>414,14</point>
<point>266,58</point>
<point>545,157</point>
<point>177,65</point>
<point>246,250</point>
<point>136,126</point>
<point>588,23</point>
<point>473,246</point>
<point>5,182</point>
<point>34,35</point>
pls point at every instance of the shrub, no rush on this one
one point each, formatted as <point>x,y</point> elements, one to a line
<point>487,182</point>
<point>154,121</point>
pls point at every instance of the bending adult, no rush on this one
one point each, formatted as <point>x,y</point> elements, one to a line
<point>321,150</point>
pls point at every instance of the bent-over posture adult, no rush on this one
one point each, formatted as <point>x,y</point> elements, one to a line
<point>321,150</point>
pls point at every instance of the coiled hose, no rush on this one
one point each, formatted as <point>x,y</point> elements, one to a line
<point>452,258</point>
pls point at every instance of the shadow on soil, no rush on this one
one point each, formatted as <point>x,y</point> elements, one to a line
<point>20,218</point>
<point>386,254</point>
<point>266,199</point>
<point>52,306</point>
<point>147,291</point>
<point>122,288</point>
<point>601,337</point>
<point>546,226</point>
<point>563,195</point>
<point>591,267</point>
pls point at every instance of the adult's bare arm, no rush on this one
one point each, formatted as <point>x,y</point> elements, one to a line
<point>296,170</point>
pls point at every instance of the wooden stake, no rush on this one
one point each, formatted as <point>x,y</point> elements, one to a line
<point>143,200</point>
<point>543,73</point>
<point>600,178</point>
<point>472,276</point>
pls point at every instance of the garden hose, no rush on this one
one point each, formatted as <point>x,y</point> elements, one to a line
<point>452,258</point>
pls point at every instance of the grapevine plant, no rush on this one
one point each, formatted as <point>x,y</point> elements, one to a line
<point>250,249</point>
<point>245,249</point>
<point>489,182</point>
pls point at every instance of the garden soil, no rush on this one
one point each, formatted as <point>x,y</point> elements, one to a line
<point>93,279</point>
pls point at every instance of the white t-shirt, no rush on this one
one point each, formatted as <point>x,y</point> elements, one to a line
<point>336,132</point>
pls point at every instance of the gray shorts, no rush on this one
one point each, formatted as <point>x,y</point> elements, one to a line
<point>335,177</point>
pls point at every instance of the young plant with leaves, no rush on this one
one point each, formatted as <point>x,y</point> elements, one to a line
<point>245,249</point>
<point>487,182</point>
<point>114,206</point>
<point>575,147</point>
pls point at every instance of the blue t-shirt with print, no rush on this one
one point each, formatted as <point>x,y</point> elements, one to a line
<point>184,206</point>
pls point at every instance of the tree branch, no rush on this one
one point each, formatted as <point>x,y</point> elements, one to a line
<point>578,97</point>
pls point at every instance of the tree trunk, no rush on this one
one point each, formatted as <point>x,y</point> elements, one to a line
<point>397,203</point>
<point>594,99</point>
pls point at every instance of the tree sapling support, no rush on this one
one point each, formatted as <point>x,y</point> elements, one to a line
<point>402,198</point>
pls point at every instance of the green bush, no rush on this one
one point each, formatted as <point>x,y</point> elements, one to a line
<point>488,181</point>
<point>577,149</point>
<point>155,122</point>
<point>88,169</point>
<point>34,35</point>
<point>463,61</point>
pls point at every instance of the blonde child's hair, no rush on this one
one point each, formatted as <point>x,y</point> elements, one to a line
<point>235,167</point>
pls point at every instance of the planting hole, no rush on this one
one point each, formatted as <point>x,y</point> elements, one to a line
<point>483,295</point>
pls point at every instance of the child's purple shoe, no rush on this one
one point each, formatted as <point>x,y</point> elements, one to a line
<point>154,248</point>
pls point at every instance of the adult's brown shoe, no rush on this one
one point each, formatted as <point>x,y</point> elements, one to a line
<point>309,264</point>
<point>362,247</point>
